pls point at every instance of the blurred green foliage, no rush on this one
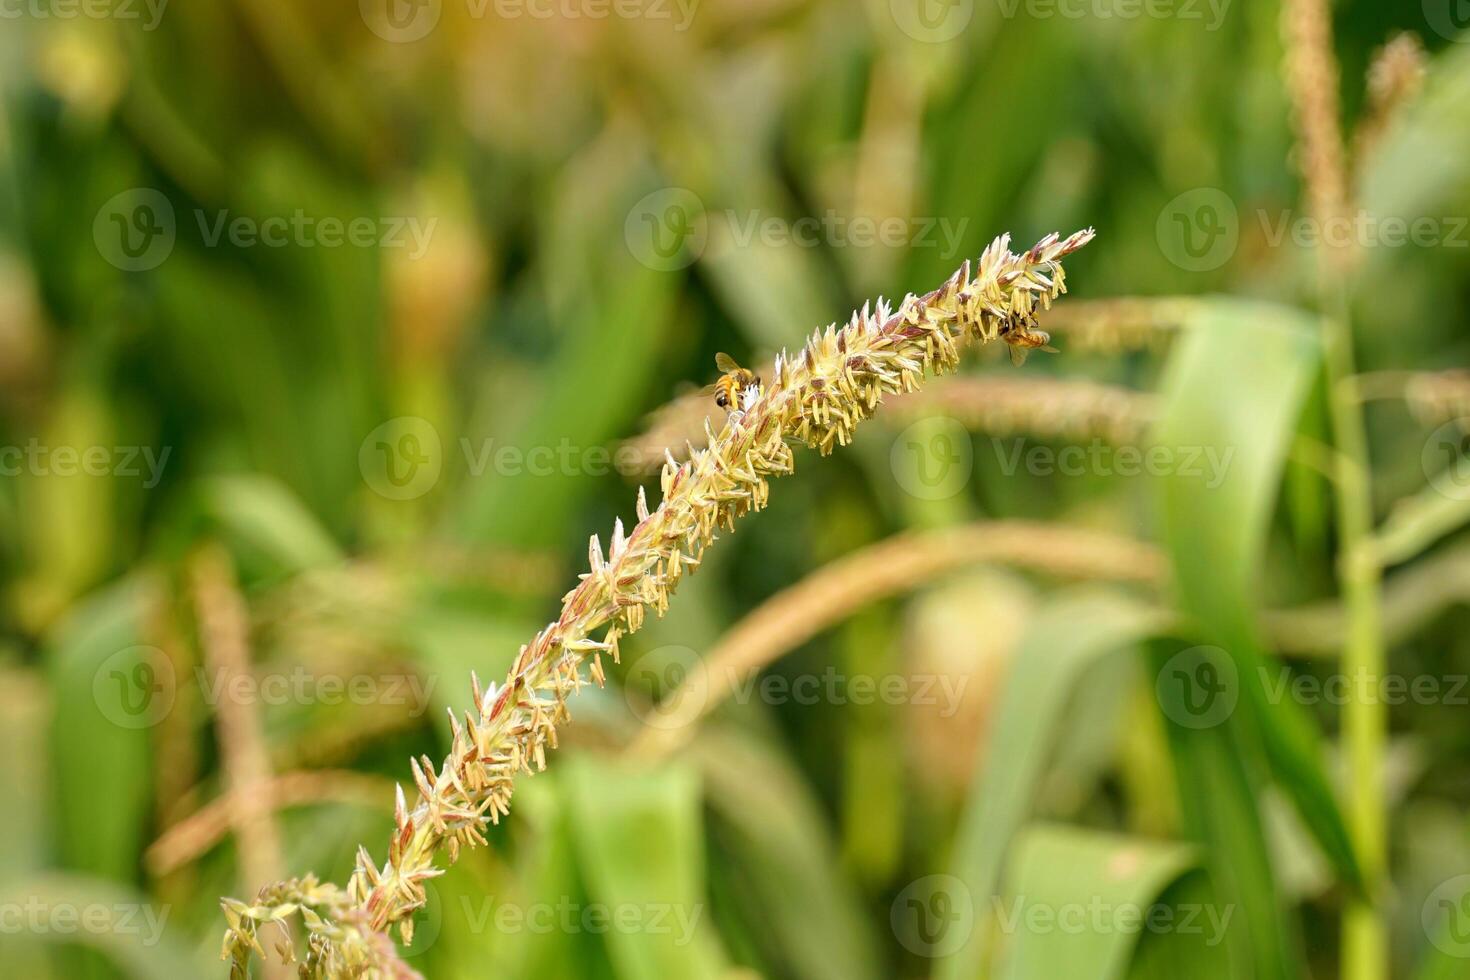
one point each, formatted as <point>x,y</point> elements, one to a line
<point>374,305</point>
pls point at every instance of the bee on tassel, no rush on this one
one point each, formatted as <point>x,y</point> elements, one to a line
<point>730,391</point>
<point>1023,336</point>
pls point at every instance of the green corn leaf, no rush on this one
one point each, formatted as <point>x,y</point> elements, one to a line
<point>264,514</point>
<point>639,841</point>
<point>1181,952</point>
<point>25,846</point>
<point>811,918</point>
<point>1084,905</point>
<point>1218,796</point>
<point>1068,635</point>
<point>110,689</point>
<point>1234,388</point>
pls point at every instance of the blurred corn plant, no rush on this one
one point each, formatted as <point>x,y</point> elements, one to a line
<point>327,333</point>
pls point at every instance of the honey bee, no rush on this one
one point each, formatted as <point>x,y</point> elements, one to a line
<point>730,389</point>
<point>1023,337</point>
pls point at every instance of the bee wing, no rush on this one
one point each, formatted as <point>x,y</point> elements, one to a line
<point>1050,349</point>
<point>1018,355</point>
<point>726,363</point>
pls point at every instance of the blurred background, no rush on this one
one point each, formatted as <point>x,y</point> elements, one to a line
<point>329,332</point>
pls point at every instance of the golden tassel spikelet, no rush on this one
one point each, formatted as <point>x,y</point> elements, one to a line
<point>816,396</point>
